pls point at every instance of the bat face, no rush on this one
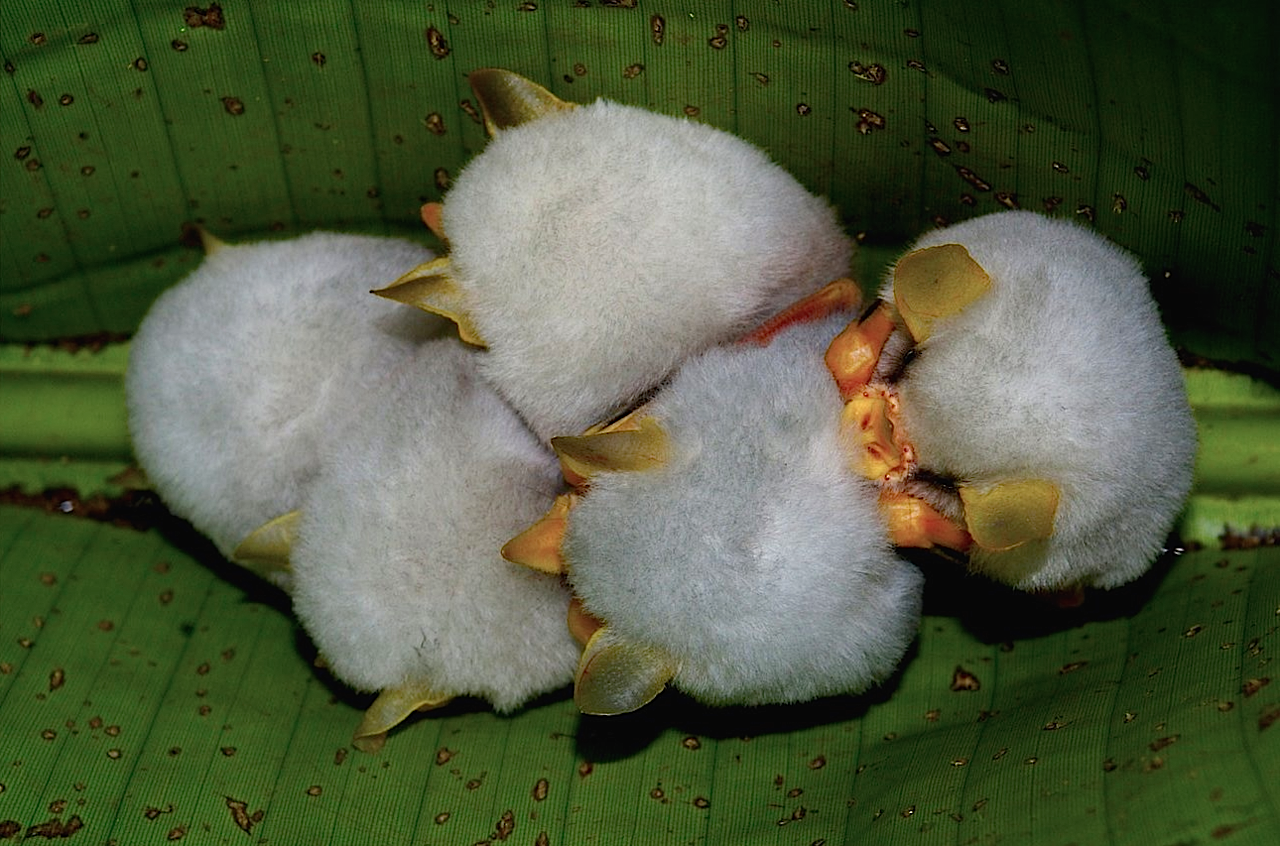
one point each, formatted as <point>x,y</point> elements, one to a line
<point>1026,387</point>
<point>573,238</point>
<point>722,542</point>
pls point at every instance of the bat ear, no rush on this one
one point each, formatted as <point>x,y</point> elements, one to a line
<point>1009,514</point>
<point>268,547</point>
<point>634,443</point>
<point>934,283</point>
<point>432,288</point>
<point>209,242</point>
<point>508,99</point>
<point>390,709</point>
<point>615,677</point>
<point>539,547</point>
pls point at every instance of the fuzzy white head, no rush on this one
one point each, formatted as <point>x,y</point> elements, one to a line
<point>1060,372</point>
<point>240,374</point>
<point>596,247</point>
<point>752,559</point>
<point>397,575</point>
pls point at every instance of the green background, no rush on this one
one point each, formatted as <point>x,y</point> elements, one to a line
<point>150,693</point>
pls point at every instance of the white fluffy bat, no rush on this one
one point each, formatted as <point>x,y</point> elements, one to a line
<point>723,544</point>
<point>1027,389</point>
<point>240,375</point>
<point>593,248</point>
<point>396,568</point>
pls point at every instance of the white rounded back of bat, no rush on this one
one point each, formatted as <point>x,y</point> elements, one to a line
<point>240,374</point>
<point>1060,372</point>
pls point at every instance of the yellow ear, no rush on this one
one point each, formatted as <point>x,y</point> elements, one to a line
<point>390,709</point>
<point>615,677</point>
<point>539,546</point>
<point>639,444</point>
<point>936,282</point>
<point>1009,514</point>
<point>209,242</point>
<point>508,99</point>
<point>268,546</point>
<point>432,288</point>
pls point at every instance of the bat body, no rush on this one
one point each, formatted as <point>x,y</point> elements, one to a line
<point>240,375</point>
<point>397,574</point>
<point>595,247</point>
<point>735,556</point>
<point>1050,400</point>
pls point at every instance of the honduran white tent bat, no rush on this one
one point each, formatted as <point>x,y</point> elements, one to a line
<point>396,568</point>
<point>721,541</point>
<point>592,248</point>
<point>240,374</point>
<point>1017,376</point>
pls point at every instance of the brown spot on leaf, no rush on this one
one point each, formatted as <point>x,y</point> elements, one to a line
<point>869,121</point>
<point>506,825</point>
<point>57,678</point>
<point>56,829</point>
<point>1268,718</point>
<point>1200,196</point>
<point>1000,66</point>
<point>233,106</point>
<point>873,73</point>
<point>691,742</point>
<point>818,763</point>
<point>1007,199</point>
<point>319,59</point>
<point>658,29</point>
<point>34,98</point>
<point>962,680</point>
<point>540,789</point>
<point>444,755</point>
<point>721,39</point>
<point>212,17</point>
<point>585,769</point>
<point>434,123</point>
<point>442,179</point>
<point>436,43</point>
<point>240,815</point>
<point>1252,686</point>
<point>1163,742</point>
<point>701,802</point>
<point>632,71</point>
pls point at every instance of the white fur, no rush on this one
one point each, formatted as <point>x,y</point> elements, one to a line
<point>240,374</point>
<point>754,557</point>
<point>1061,371</point>
<point>602,246</point>
<point>397,575</point>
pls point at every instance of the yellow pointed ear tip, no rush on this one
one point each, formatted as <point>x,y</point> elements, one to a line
<point>633,443</point>
<point>508,99</point>
<point>390,709</point>
<point>540,547</point>
<point>271,544</point>
<point>432,288</point>
<point>1010,514</point>
<point>936,282</point>
<point>617,677</point>
<point>209,242</point>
